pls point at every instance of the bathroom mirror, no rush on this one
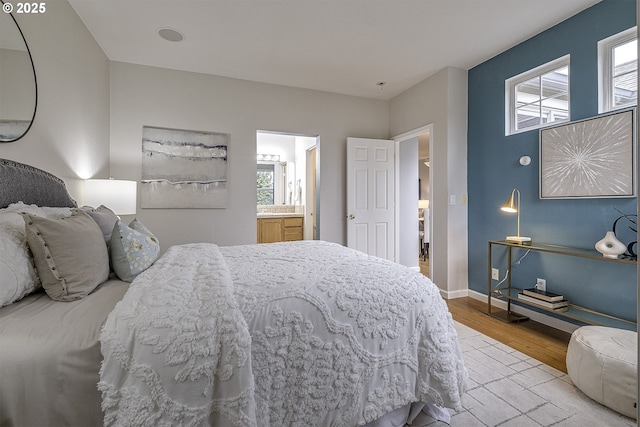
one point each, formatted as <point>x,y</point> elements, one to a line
<point>276,183</point>
<point>18,88</point>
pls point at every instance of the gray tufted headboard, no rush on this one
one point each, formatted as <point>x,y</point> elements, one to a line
<point>30,185</point>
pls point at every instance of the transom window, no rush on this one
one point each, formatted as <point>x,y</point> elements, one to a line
<point>618,71</point>
<point>538,97</point>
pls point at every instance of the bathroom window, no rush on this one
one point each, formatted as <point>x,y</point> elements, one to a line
<point>618,71</point>
<point>538,97</point>
<point>264,184</point>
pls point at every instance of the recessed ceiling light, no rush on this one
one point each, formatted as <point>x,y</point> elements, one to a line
<point>170,34</point>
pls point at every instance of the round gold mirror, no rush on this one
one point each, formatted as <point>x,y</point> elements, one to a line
<point>18,88</point>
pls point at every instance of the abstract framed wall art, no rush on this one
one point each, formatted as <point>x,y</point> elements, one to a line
<point>183,168</point>
<point>591,158</point>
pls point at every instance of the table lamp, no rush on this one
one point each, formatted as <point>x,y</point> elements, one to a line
<point>512,205</point>
<point>118,195</point>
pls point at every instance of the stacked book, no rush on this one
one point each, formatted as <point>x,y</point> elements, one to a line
<point>544,299</point>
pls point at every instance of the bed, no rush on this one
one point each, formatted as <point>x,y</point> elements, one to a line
<point>299,333</point>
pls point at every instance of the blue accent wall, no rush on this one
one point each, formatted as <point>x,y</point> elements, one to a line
<point>494,170</point>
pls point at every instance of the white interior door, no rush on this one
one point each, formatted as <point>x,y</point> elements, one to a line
<point>371,196</point>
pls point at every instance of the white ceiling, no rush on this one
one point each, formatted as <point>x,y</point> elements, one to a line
<point>342,46</point>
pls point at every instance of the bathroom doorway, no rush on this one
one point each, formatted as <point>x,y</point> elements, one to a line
<point>286,186</point>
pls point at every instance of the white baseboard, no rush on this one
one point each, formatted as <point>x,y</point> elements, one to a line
<point>531,314</point>
<point>454,294</point>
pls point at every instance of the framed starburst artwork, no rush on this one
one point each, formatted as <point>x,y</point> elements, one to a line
<point>591,158</point>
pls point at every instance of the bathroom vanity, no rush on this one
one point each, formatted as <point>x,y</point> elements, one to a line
<point>279,227</point>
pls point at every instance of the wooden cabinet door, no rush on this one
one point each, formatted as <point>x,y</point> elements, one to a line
<point>270,230</point>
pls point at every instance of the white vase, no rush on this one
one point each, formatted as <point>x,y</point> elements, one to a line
<point>610,246</point>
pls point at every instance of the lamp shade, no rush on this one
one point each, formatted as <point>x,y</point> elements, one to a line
<point>116,194</point>
<point>510,205</point>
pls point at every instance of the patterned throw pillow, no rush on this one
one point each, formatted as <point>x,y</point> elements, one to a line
<point>133,249</point>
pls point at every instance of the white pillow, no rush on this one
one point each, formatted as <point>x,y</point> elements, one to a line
<point>18,276</point>
<point>43,211</point>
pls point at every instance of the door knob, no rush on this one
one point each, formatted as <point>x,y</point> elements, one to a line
<point>351,216</point>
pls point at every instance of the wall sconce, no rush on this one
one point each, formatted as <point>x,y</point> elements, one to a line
<point>116,194</point>
<point>512,205</point>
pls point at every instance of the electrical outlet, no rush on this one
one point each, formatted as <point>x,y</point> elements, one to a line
<point>495,274</point>
<point>541,284</point>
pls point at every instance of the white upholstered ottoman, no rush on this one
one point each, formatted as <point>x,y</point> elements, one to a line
<point>602,362</point>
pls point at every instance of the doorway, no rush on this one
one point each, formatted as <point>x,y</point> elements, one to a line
<point>416,208</point>
<point>424,202</point>
<point>286,186</point>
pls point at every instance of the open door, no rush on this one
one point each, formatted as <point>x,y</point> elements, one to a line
<point>370,196</point>
<point>310,230</point>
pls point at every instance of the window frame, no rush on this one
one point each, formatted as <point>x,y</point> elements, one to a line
<point>510,93</point>
<point>266,168</point>
<point>605,69</point>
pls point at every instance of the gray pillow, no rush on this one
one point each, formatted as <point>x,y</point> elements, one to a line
<point>69,254</point>
<point>104,217</point>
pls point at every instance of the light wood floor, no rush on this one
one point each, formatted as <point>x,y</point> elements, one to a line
<point>424,266</point>
<point>534,339</point>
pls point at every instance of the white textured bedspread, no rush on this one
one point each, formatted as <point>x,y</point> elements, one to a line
<point>301,333</point>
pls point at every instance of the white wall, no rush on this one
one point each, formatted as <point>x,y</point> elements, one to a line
<point>458,223</point>
<point>70,134</point>
<point>142,95</point>
<point>441,100</point>
<point>277,143</point>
